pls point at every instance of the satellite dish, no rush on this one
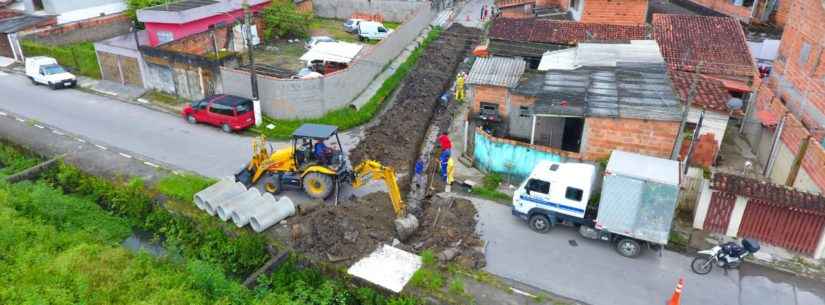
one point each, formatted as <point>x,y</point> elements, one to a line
<point>734,103</point>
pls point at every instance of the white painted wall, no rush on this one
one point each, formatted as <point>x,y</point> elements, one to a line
<point>714,122</point>
<point>783,160</point>
<point>736,216</point>
<point>91,12</point>
<point>703,205</point>
<point>820,249</point>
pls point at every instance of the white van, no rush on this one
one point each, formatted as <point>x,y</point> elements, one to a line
<point>370,30</point>
<point>560,188</point>
<point>45,70</point>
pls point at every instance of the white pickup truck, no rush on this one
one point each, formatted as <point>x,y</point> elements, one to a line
<point>45,71</point>
<point>638,199</point>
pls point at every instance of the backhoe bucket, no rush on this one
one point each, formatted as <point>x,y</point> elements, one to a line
<point>406,226</point>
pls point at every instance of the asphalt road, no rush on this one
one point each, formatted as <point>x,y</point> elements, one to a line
<point>155,135</point>
<point>564,263</point>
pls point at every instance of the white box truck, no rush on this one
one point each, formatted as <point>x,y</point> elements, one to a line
<point>371,30</point>
<point>45,71</point>
<point>638,199</point>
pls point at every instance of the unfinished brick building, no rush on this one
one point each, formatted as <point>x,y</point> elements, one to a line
<point>791,103</point>
<point>621,12</point>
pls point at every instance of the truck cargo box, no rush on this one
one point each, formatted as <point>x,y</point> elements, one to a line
<point>639,196</point>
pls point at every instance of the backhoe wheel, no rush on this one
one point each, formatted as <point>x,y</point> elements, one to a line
<point>270,183</point>
<point>317,185</point>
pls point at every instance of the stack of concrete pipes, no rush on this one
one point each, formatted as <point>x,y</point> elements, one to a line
<point>230,200</point>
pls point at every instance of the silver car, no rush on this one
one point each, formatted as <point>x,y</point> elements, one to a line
<point>351,25</point>
<point>314,40</point>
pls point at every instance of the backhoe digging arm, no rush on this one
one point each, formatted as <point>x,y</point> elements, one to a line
<point>373,170</point>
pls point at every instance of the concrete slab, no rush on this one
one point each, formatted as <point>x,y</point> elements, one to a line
<point>388,267</point>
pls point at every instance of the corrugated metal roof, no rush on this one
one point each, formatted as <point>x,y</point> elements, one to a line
<point>14,24</point>
<point>496,71</point>
<point>628,90</point>
<point>602,55</point>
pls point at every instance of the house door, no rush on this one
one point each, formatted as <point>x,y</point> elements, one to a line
<point>572,139</point>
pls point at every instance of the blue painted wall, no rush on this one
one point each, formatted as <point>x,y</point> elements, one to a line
<point>505,158</point>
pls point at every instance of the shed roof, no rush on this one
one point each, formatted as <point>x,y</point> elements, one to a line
<point>181,5</point>
<point>602,54</point>
<point>628,90</point>
<point>716,42</point>
<point>22,22</point>
<point>710,94</point>
<point>643,167</point>
<point>343,52</point>
<point>496,71</point>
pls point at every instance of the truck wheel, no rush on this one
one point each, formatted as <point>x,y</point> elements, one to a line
<point>33,81</point>
<point>540,223</point>
<point>226,128</point>
<point>270,183</point>
<point>52,86</point>
<point>317,185</point>
<point>628,247</point>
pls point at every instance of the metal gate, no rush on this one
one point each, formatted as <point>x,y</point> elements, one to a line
<point>718,217</point>
<point>793,229</point>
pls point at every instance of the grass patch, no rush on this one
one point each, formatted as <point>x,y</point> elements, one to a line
<point>183,187</point>
<point>79,58</point>
<point>489,189</point>
<point>457,286</point>
<point>391,25</point>
<point>165,98</point>
<point>280,53</point>
<point>330,27</point>
<point>13,160</point>
<point>346,118</point>
<point>427,278</point>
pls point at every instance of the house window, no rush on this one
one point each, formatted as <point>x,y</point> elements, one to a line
<point>489,108</point>
<point>804,53</point>
<point>574,4</point>
<point>524,111</point>
<point>574,194</point>
<point>165,36</point>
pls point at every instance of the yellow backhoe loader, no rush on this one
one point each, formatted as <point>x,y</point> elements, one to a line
<point>316,163</point>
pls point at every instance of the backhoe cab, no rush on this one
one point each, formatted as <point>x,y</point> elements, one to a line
<point>314,163</point>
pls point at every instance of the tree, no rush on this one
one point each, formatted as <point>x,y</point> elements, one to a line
<point>283,20</point>
<point>134,5</point>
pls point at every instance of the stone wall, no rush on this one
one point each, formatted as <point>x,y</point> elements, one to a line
<point>309,98</point>
<point>396,11</point>
<point>94,29</point>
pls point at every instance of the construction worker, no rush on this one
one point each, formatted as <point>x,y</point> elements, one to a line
<point>445,143</point>
<point>459,87</point>
<point>445,160</point>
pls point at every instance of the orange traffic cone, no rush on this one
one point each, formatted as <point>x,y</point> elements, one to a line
<point>677,294</point>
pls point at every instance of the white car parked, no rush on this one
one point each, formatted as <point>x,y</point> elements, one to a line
<point>351,25</point>
<point>314,40</point>
<point>370,30</point>
<point>45,70</point>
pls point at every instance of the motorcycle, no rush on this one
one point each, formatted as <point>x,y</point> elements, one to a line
<point>727,256</point>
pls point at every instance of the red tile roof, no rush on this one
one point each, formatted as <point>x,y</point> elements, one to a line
<point>562,32</point>
<point>775,194</point>
<point>710,93</point>
<point>509,3</point>
<point>718,42</point>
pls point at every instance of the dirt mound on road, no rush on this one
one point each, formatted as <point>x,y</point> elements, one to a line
<point>355,228</point>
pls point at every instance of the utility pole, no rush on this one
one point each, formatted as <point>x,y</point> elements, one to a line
<point>797,161</point>
<point>674,155</point>
<point>693,140</point>
<point>253,77</point>
<point>774,145</point>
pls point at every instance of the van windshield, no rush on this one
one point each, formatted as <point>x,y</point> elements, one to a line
<point>52,69</point>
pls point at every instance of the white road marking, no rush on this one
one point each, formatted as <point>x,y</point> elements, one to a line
<point>151,164</point>
<point>3,73</point>
<point>101,147</point>
<point>19,119</point>
<point>57,132</point>
<point>3,113</point>
<point>125,155</point>
<point>522,292</point>
<point>80,140</point>
<point>39,126</point>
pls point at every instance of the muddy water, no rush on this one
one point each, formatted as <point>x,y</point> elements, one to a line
<point>760,285</point>
<point>144,241</point>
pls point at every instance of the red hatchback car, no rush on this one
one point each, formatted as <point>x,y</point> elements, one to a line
<point>229,112</point>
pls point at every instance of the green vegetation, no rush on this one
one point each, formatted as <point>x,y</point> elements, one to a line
<point>391,25</point>
<point>133,5</point>
<point>79,58</point>
<point>347,117</point>
<point>489,189</point>
<point>331,27</point>
<point>13,160</point>
<point>184,186</point>
<point>283,20</point>
<point>164,98</point>
<point>428,276</point>
<point>457,286</point>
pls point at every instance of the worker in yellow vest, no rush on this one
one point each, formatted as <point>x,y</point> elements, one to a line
<point>450,174</point>
<point>459,87</point>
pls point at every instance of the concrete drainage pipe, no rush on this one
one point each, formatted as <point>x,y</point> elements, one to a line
<point>209,192</point>
<point>210,204</point>
<point>272,214</point>
<point>224,209</point>
<point>241,216</point>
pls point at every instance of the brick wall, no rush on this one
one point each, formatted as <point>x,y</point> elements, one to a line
<point>198,44</point>
<point>544,3</point>
<point>780,14</point>
<point>305,6</point>
<point>4,13</point>
<point>490,94</point>
<point>615,11</point>
<point>93,29</point>
<point>726,7</point>
<point>519,11</point>
<point>603,135</point>
<point>704,151</point>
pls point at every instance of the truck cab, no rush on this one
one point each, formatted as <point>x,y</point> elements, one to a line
<point>554,192</point>
<point>43,70</point>
<point>371,30</point>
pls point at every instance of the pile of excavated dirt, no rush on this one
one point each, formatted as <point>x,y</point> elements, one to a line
<point>352,230</point>
<point>396,139</point>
